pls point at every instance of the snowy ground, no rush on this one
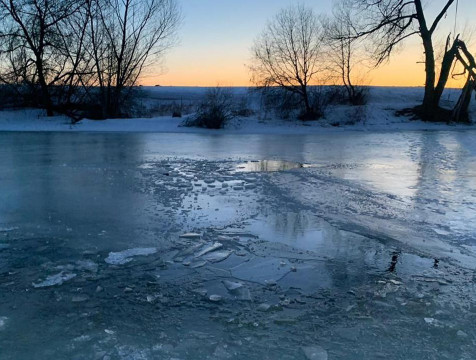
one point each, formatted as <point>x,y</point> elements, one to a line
<point>379,114</point>
<point>182,246</point>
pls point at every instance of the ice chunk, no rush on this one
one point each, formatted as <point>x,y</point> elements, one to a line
<point>56,279</point>
<point>230,285</point>
<point>243,294</point>
<point>238,290</point>
<point>3,322</point>
<point>80,298</point>
<point>208,249</point>
<point>198,264</point>
<point>264,307</point>
<point>8,229</point>
<point>190,236</point>
<point>314,352</point>
<point>123,257</point>
<point>217,256</point>
<point>215,298</point>
<point>87,265</point>
<point>225,238</point>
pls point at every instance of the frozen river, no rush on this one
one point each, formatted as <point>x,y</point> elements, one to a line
<point>361,246</point>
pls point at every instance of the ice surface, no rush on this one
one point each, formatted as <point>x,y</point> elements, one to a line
<point>123,257</point>
<point>342,256</point>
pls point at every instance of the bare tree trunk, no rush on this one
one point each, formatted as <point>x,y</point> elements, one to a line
<point>307,104</point>
<point>45,92</point>
<point>460,112</point>
<point>446,65</point>
<point>428,105</point>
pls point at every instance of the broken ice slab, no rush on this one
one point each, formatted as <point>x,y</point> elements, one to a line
<point>123,257</point>
<point>261,270</point>
<point>314,352</point>
<point>231,285</point>
<point>217,256</point>
<point>215,298</point>
<point>190,236</point>
<point>8,229</point>
<point>87,265</point>
<point>238,290</point>
<point>57,279</point>
<point>202,292</point>
<point>227,238</point>
<point>208,249</point>
<point>197,264</point>
<point>243,294</point>
<point>431,280</point>
<point>264,307</point>
<point>3,322</point>
<point>79,298</point>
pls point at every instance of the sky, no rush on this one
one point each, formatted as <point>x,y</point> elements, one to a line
<point>216,36</point>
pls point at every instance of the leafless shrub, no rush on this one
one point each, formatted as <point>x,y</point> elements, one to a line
<point>214,111</point>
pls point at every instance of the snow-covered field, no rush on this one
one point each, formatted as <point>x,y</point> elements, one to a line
<point>378,114</point>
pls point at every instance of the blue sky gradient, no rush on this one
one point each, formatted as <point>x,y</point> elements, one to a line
<point>216,37</point>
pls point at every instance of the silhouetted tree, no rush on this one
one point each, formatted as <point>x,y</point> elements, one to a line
<point>389,23</point>
<point>344,53</point>
<point>125,37</point>
<point>288,54</point>
<point>33,43</point>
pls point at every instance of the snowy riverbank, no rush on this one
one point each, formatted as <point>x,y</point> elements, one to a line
<point>377,115</point>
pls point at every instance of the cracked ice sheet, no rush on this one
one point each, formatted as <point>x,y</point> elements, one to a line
<point>364,300</point>
<point>355,208</point>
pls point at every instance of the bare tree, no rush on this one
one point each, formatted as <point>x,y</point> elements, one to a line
<point>389,23</point>
<point>33,34</point>
<point>288,54</point>
<point>344,53</point>
<point>125,37</point>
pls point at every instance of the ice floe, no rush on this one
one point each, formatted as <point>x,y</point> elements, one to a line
<point>57,279</point>
<point>123,257</point>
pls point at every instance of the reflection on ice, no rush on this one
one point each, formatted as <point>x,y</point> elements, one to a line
<point>268,166</point>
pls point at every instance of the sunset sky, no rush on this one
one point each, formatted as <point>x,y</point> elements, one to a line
<point>216,37</point>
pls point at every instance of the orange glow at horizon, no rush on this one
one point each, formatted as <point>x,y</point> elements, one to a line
<point>217,36</point>
<point>405,68</point>
<point>402,70</point>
